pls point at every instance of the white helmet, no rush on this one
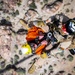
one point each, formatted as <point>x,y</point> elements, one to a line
<point>72,25</point>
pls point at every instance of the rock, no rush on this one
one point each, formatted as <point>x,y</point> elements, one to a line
<point>72,46</point>
<point>22,31</point>
<point>59,54</point>
<point>65,45</point>
<point>64,59</point>
<point>2,64</point>
<point>69,74</point>
<point>31,15</point>
<point>15,13</point>
<point>50,67</point>
<point>21,71</point>
<point>61,71</point>
<point>45,1</point>
<point>70,57</point>
<point>24,23</point>
<point>74,68</point>
<point>16,46</point>
<point>45,71</point>
<point>32,69</point>
<point>32,5</point>
<point>20,52</point>
<point>57,74</point>
<point>11,60</point>
<point>51,71</point>
<point>16,57</point>
<point>1,5</point>
<point>56,52</point>
<point>19,2</point>
<point>52,7</point>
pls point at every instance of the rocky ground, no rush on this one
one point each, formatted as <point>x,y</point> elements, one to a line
<point>59,62</point>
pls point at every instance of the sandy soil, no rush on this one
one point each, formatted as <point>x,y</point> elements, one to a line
<point>56,60</point>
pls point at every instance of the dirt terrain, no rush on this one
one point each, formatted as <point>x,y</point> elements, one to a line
<point>59,62</point>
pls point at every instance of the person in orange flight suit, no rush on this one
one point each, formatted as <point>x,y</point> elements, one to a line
<point>38,38</point>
